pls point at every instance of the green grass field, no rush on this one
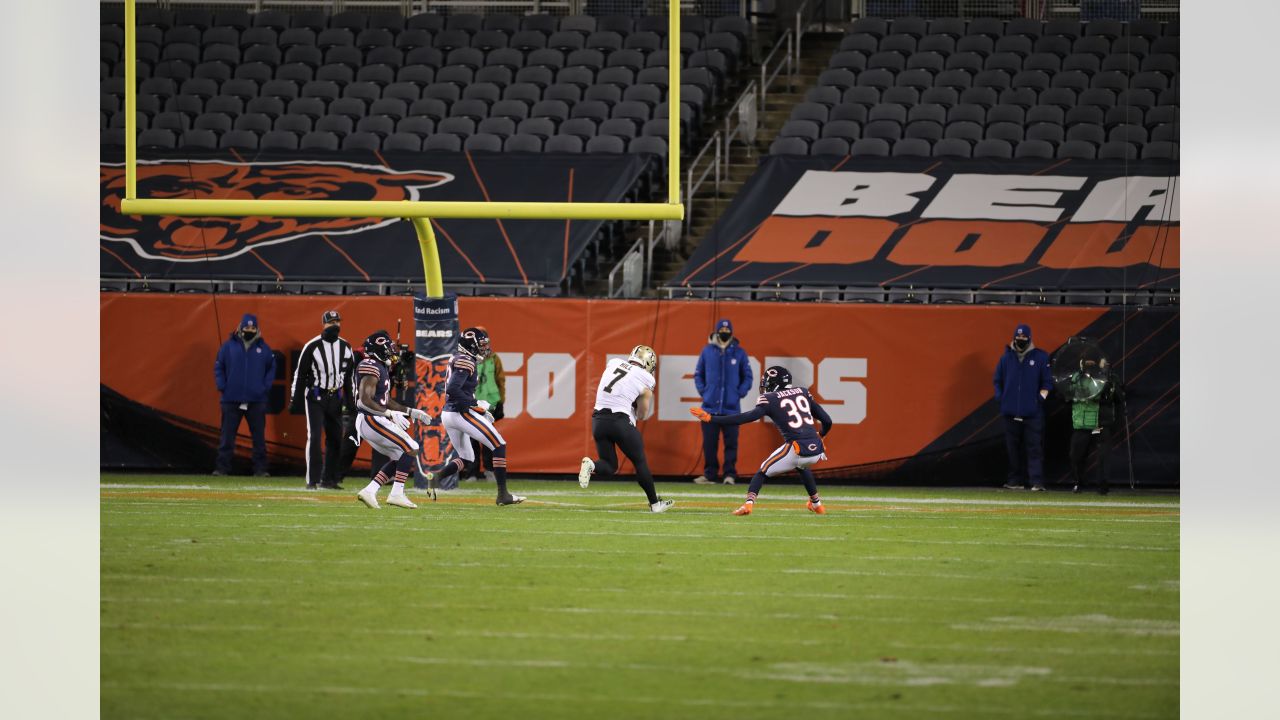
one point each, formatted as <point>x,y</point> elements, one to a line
<point>256,599</point>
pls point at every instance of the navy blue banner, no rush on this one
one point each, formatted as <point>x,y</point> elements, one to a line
<point>357,249</point>
<point>435,338</point>
<point>949,223</point>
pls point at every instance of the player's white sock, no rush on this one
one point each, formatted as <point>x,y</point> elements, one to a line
<point>372,486</point>
<point>397,488</point>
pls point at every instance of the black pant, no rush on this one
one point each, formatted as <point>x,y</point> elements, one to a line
<point>1023,439</point>
<point>614,430</point>
<point>256,415</point>
<point>324,431</point>
<point>1082,441</point>
<point>710,449</point>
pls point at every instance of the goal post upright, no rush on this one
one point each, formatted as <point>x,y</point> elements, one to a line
<point>418,212</point>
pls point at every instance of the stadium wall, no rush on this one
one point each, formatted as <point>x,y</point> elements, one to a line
<point>909,386</point>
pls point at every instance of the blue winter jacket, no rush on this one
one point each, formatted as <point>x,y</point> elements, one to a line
<point>723,378</point>
<point>244,374</point>
<point>1019,381</point>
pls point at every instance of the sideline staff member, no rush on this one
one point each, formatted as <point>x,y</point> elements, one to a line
<point>323,377</point>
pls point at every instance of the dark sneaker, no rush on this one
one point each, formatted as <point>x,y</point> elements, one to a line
<point>510,499</point>
<point>1104,490</point>
<point>262,473</point>
<point>312,486</point>
<point>335,486</point>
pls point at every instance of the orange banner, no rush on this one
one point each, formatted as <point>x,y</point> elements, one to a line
<point>893,378</point>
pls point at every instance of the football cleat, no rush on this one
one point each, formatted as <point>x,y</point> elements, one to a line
<point>744,510</point>
<point>816,507</point>
<point>400,500</point>
<point>368,497</point>
<point>510,499</point>
<point>661,505</point>
<point>584,472</point>
<point>1013,486</point>
<point>1037,488</point>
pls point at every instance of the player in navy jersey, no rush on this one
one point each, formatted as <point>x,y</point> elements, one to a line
<point>465,418</point>
<point>384,422</point>
<point>793,411</point>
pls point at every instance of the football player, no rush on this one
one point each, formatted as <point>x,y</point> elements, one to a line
<point>464,418</point>
<point>384,422</point>
<point>626,389</point>
<point>792,410</point>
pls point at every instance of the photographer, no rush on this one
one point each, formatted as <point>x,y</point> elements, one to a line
<point>1094,397</point>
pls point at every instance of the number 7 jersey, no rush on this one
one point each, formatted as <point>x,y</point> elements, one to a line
<point>620,385</point>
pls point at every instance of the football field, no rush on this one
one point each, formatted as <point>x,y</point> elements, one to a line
<point>253,598</point>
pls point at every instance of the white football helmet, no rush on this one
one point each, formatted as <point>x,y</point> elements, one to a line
<point>645,357</point>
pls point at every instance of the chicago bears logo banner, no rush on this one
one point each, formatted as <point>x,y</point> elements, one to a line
<point>927,222</point>
<point>357,249</point>
<point>435,338</point>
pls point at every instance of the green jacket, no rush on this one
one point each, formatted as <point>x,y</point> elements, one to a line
<point>490,381</point>
<point>1096,411</point>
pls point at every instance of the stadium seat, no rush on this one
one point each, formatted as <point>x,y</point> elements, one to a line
<point>1040,149</point>
<point>912,147</point>
<point>951,147</point>
<point>829,146</point>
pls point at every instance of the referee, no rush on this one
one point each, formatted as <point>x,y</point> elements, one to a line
<point>324,376</point>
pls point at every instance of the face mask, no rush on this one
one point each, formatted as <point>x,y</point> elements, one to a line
<point>248,334</point>
<point>724,336</point>
<point>330,333</point>
<point>1021,343</point>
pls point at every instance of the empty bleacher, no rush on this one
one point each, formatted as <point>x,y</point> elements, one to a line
<point>308,80</point>
<point>991,88</point>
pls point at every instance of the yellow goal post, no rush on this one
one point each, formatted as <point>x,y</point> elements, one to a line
<point>417,211</point>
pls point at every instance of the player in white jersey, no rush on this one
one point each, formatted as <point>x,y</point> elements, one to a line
<point>626,388</point>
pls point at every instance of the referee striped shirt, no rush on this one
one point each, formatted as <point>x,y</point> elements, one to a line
<point>323,365</point>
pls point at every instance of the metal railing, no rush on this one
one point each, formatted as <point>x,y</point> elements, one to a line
<point>913,295</point>
<point>308,287</point>
<point>767,77</point>
<point>632,266</point>
<point>695,179</point>
<point>741,120</point>
<point>636,265</point>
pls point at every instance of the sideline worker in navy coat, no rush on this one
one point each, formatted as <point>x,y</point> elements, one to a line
<point>1023,382</point>
<point>243,373</point>
<point>723,378</point>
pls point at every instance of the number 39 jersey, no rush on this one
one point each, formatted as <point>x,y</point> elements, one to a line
<point>792,410</point>
<point>620,385</point>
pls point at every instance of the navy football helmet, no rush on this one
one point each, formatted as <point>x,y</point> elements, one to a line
<point>474,342</point>
<point>380,346</point>
<point>775,378</point>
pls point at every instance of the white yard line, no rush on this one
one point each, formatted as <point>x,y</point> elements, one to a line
<point>971,649</point>
<point>830,493</point>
